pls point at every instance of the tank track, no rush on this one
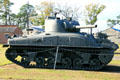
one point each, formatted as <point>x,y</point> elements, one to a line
<point>67,58</point>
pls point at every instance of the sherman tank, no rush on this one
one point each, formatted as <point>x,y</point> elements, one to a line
<point>62,45</point>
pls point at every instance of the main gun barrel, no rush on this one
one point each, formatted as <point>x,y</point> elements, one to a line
<point>87,26</point>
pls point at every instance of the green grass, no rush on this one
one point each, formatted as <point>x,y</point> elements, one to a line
<point>118,50</point>
<point>3,60</point>
<point>115,62</point>
<point>46,74</point>
<point>50,74</point>
<point>117,55</point>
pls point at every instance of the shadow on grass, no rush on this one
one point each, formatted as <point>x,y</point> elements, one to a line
<point>108,68</point>
<point>111,68</point>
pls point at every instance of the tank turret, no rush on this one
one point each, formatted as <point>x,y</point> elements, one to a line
<point>62,45</point>
<point>53,24</point>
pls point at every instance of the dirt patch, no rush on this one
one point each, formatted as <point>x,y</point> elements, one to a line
<point>15,79</point>
<point>11,66</point>
<point>45,74</point>
<point>116,58</point>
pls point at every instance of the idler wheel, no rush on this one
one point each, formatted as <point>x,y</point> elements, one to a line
<point>105,58</point>
<point>66,62</point>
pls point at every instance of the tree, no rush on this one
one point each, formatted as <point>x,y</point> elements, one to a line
<point>50,9</point>
<point>68,11</point>
<point>37,20</point>
<point>12,19</point>
<point>46,9</point>
<point>23,17</point>
<point>92,11</point>
<point>112,22</point>
<point>5,10</point>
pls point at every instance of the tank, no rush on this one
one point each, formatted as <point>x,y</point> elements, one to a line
<point>62,45</point>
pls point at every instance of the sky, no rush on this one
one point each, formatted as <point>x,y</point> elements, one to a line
<point>110,12</point>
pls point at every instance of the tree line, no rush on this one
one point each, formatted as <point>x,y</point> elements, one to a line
<point>28,14</point>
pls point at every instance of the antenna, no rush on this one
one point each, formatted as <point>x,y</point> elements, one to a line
<point>28,18</point>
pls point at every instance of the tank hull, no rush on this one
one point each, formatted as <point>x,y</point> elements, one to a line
<point>56,39</point>
<point>59,50</point>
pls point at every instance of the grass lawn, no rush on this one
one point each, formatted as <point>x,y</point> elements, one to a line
<point>3,60</point>
<point>115,62</point>
<point>50,74</point>
<point>117,55</point>
<point>47,74</point>
<point>118,50</point>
